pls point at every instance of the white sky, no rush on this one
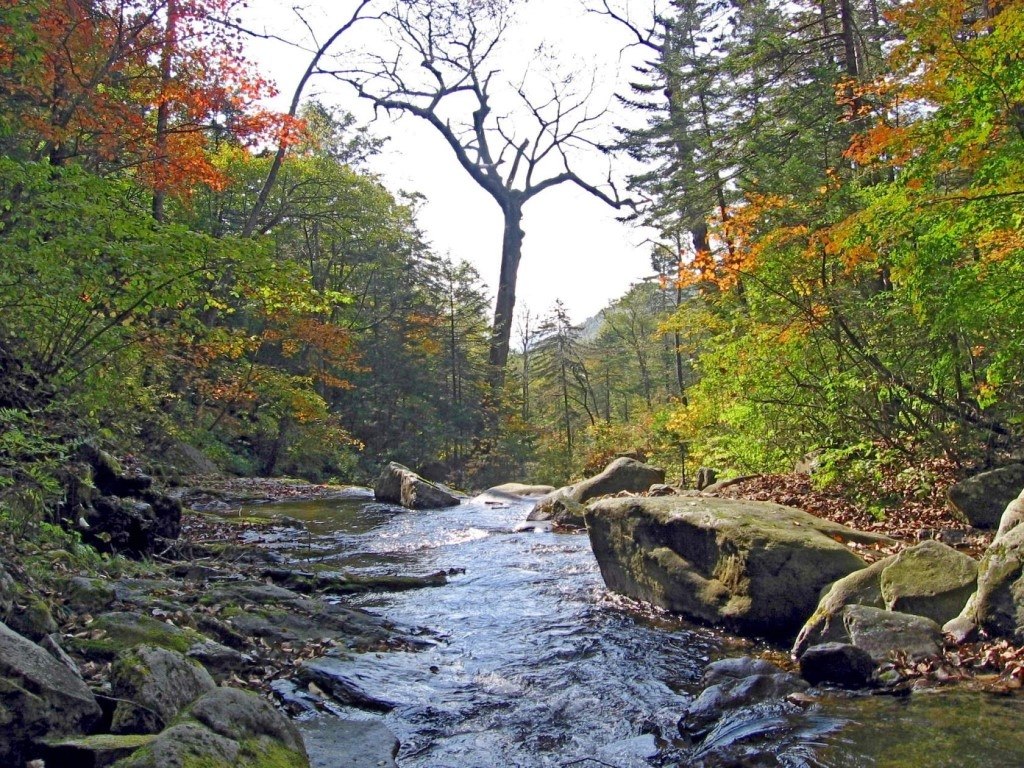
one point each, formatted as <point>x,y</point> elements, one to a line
<point>574,249</point>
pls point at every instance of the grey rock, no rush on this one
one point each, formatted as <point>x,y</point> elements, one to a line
<point>219,660</point>
<point>154,686</point>
<point>840,664</point>
<point>983,498</point>
<point>99,751</point>
<point>706,476</point>
<point>881,633</point>
<point>1012,516</point>
<point>39,698</point>
<point>400,485</point>
<point>753,567</point>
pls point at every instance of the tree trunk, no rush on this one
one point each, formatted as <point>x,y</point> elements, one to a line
<point>504,308</point>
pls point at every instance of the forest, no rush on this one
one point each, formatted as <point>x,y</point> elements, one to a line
<point>836,190</point>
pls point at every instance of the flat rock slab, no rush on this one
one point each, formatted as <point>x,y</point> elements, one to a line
<point>753,567</point>
<point>335,743</point>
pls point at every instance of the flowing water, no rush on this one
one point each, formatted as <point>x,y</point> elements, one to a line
<point>531,662</point>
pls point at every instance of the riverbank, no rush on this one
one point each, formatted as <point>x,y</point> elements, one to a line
<point>214,600</point>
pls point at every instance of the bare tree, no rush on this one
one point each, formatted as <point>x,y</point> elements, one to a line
<point>442,68</point>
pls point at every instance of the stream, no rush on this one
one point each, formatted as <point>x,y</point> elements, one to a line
<point>531,662</point>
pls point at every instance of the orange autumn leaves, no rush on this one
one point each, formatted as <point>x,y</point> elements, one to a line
<point>90,78</point>
<point>941,127</point>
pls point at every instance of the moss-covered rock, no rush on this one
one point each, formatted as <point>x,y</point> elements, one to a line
<point>97,751</point>
<point>86,595</point>
<point>224,729</point>
<point>753,567</point>
<point>120,630</point>
<point>153,686</point>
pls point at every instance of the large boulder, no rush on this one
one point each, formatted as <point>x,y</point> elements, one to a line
<point>39,698</point>
<point>153,685</point>
<point>930,580</point>
<point>400,485</point>
<point>998,605</point>
<point>981,499</point>
<point>754,567</point>
<point>623,474</point>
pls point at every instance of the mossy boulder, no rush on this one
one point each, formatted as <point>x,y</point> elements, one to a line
<point>224,729</point>
<point>39,698</point>
<point>930,580</point>
<point>153,685</point>
<point>753,567</point>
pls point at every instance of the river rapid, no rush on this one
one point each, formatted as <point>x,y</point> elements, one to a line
<point>529,661</point>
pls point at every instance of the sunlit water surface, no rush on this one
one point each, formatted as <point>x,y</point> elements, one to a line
<point>533,663</point>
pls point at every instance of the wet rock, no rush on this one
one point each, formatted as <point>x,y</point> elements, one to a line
<point>560,510</point>
<point>333,742</point>
<point>154,686</point>
<point>983,498</point>
<point>930,579</point>
<point>39,698</point>
<point>736,686</point>
<point>753,567</point>
<point>400,485</point>
<point>344,688</point>
<point>840,664</point>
